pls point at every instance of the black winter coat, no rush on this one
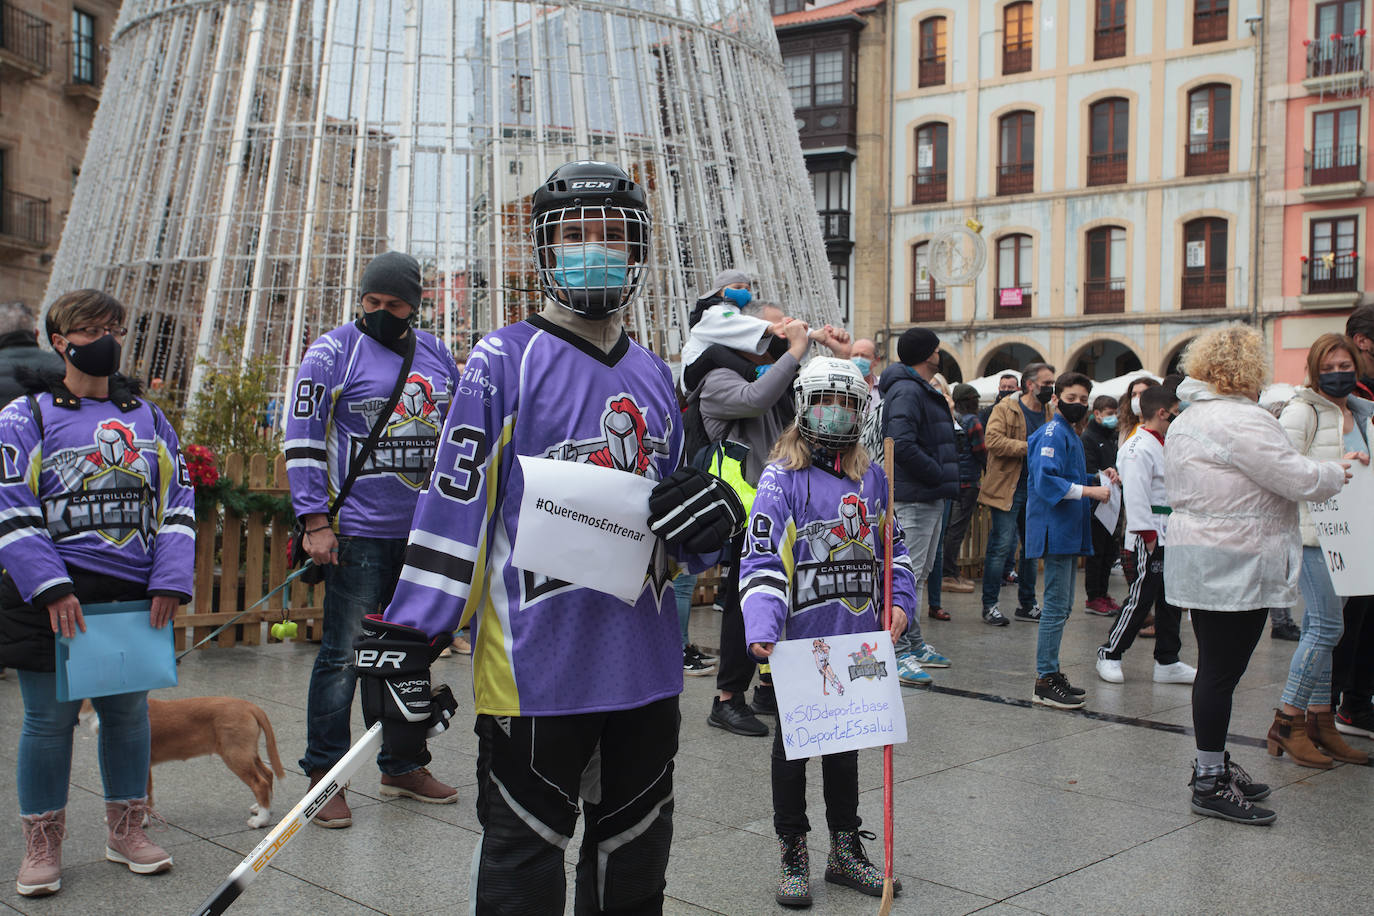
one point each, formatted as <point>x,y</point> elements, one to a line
<point>1099,446</point>
<point>19,349</point>
<point>918,419</point>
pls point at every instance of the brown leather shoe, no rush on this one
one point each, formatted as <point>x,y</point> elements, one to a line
<point>956,585</point>
<point>419,785</point>
<point>1289,733</point>
<point>1321,729</point>
<point>335,813</point>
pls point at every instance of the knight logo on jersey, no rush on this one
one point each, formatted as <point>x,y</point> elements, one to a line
<point>624,443</point>
<point>106,487</point>
<point>407,443</point>
<point>843,560</point>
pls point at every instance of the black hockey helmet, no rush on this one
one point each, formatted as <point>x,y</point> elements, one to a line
<point>591,230</point>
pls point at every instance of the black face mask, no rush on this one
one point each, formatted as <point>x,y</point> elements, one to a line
<point>777,347</point>
<point>100,357</point>
<point>1045,394</point>
<point>1004,394</point>
<point>1336,384</point>
<point>383,327</point>
<point>1072,412</point>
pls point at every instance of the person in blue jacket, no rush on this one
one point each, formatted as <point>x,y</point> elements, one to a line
<point>1058,520</point>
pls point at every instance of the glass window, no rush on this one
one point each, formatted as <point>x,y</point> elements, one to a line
<point>933,38</point>
<point>1019,26</point>
<point>1339,18</point>
<point>932,148</point>
<point>1013,261</point>
<point>83,47</point>
<point>1336,130</point>
<point>1209,114</point>
<point>1107,253</point>
<point>829,69</point>
<point>1110,120</point>
<point>1018,137</point>
<point>797,68</point>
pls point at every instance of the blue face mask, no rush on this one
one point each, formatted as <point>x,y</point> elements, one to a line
<point>590,266</point>
<point>834,421</point>
<point>864,365</point>
<point>1109,422</point>
<point>760,370</point>
<point>740,297</point>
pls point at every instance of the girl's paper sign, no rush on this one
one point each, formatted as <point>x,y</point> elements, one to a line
<point>837,693</point>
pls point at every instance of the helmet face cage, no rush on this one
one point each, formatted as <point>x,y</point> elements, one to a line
<point>825,382</point>
<point>591,259</point>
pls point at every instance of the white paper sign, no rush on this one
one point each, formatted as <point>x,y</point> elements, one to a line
<point>925,156</point>
<point>1345,528</point>
<point>1199,120</point>
<point>1109,512</point>
<point>837,694</point>
<point>1196,254</point>
<point>585,524</point>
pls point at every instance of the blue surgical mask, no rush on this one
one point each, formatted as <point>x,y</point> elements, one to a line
<point>740,297</point>
<point>590,266</point>
<point>864,365</point>
<point>832,420</point>
<point>1109,422</point>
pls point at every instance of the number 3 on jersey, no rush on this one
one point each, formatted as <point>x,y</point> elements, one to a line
<point>466,479</point>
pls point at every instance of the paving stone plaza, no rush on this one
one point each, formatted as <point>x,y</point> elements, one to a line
<point>1001,809</point>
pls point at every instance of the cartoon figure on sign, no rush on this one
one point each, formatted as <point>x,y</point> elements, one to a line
<point>820,651</point>
<point>865,664</point>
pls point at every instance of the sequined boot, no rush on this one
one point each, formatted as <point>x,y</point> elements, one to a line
<point>849,865</point>
<point>794,887</point>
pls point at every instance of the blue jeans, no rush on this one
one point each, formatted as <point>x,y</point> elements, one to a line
<point>1309,673</point>
<point>683,587</point>
<point>45,744</point>
<point>359,585</point>
<point>938,570</point>
<point>1060,572</point>
<point>921,526</point>
<point>1001,548</point>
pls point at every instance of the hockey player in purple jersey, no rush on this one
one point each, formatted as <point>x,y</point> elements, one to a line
<point>576,691</point>
<point>95,506</point>
<point>812,568</point>
<point>344,384</point>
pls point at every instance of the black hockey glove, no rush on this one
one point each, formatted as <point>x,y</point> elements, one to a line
<point>695,511</point>
<point>392,662</point>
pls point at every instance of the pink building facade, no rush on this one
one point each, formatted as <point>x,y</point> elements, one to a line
<point>1317,199</point>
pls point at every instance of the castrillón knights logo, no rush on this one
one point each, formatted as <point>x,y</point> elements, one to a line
<point>865,664</point>
<point>106,487</point>
<point>407,443</point>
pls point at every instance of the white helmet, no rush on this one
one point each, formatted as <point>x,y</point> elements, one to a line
<point>823,383</point>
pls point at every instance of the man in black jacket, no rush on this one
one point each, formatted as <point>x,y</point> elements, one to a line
<point>1099,449</point>
<point>918,419</point>
<point>19,349</point>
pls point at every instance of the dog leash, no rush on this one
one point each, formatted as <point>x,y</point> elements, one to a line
<point>257,604</point>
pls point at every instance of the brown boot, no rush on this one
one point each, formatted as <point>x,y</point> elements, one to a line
<point>1321,729</point>
<point>335,812</point>
<point>41,871</point>
<point>126,842</point>
<point>1289,733</point>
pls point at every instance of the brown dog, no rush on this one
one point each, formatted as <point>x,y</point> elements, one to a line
<point>227,726</point>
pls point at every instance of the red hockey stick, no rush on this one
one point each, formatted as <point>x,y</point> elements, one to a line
<point>886,907</point>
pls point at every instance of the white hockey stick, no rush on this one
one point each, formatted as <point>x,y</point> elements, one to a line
<point>307,807</point>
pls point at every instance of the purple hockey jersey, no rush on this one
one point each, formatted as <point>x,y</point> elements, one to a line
<point>542,646</point>
<point>343,382</point>
<point>813,558</point>
<point>104,490</point>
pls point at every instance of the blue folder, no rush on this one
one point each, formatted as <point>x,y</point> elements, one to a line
<point>120,652</point>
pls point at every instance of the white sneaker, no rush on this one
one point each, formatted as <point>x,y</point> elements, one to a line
<point>1177,673</point>
<point>1109,669</point>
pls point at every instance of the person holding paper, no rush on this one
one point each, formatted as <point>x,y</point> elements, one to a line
<point>1099,449</point>
<point>1233,480</point>
<point>812,569</point>
<point>1058,507</point>
<point>1352,661</point>
<point>95,506</point>
<point>1146,502</point>
<point>1325,421</point>
<point>576,689</point>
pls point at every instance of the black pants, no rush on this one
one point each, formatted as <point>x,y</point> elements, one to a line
<point>1225,642</point>
<point>839,784</point>
<point>1098,567</point>
<point>1352,661</point>
<point>736,664</point>
<point>531,771</point>
<point>961,511</point>
<point>1146,594</point>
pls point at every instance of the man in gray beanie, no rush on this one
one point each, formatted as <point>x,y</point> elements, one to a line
<point>917,417</point>
<point>346,377</point>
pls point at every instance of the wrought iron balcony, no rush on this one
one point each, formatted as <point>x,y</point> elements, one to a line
<point>23,222</point>
<point>25,42</point>
<point>929,187</point>
<point>1331,164</point>
<point>1013,308</point>
<point>1332,56</point>
<point>928,305</point>
<point>85,70</point>
<point>834,225</point>
<point>1016,57</point>
<point>1106,168</point>
<point>1208,157</point>
<point>1204,289</point>
<point>1341,274</point>
<point>1016,178</point>
<point>1210,26</point>
<point>931,71</point>
<point>1109,41</point>
<point>1103,297</point>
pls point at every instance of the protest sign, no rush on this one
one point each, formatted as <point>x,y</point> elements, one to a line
<point>1345,528</point>
<point>837,694</point>
<point>574,515</point>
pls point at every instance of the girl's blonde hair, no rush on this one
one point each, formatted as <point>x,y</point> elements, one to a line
<point>1231,359</point>
<point>793,453</point>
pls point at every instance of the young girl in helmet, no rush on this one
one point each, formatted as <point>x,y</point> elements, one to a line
<point>812,569</point>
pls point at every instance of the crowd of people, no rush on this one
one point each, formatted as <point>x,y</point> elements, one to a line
<point>410,476</point>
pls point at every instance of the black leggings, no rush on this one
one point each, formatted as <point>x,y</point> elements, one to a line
<point>839,787</point>
<point>1352,662</point>
<point>1225,642</point>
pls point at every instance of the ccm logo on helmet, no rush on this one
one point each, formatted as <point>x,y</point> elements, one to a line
<point>590,184</point>
<point>374,658</point>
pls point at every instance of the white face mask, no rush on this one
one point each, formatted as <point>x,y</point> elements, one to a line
<point>1135,406</point>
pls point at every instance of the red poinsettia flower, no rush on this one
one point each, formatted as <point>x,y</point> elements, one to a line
<point>1302,258</point>
<point>1359,33</point>
<point>1335,36</point>
<point>1306,42</point>
<point>200,465</point>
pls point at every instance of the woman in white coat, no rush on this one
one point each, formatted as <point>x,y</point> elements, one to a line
<point>1324,421</point>
<point>1234,482</point>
